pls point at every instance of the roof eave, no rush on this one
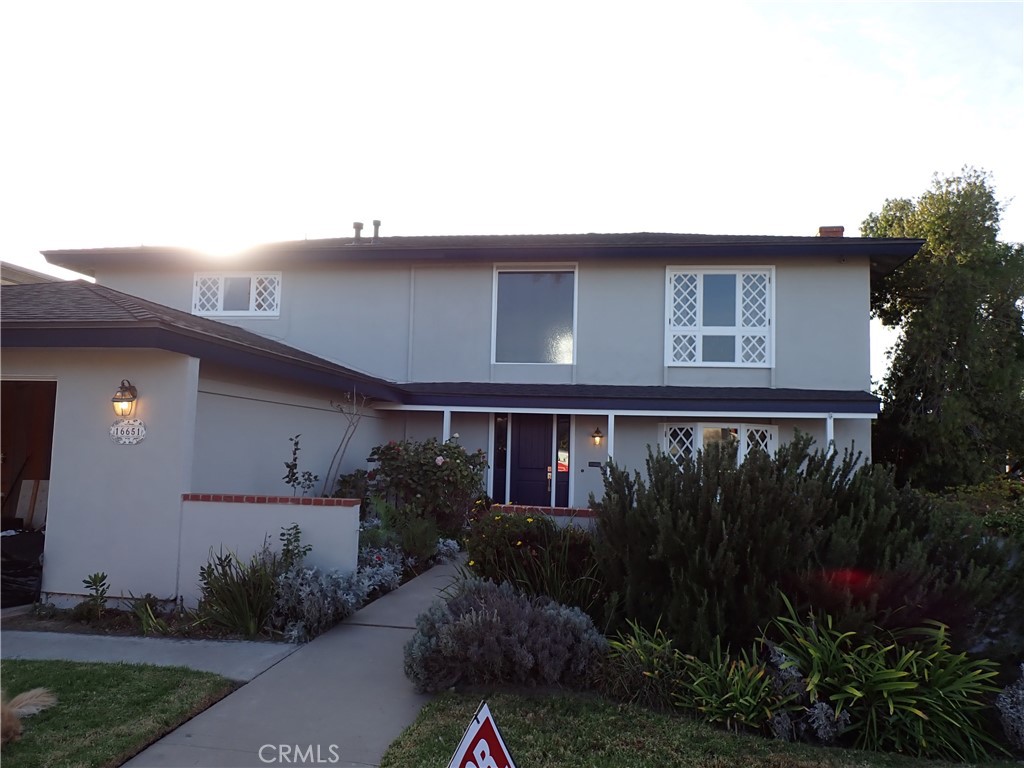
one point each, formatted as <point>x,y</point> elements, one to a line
<point>885,255</point>
<point>136,335</point>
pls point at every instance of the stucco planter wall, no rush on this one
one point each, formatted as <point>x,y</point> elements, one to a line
<point>240,523</point>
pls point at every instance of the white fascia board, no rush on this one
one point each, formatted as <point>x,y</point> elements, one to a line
<point>598,412</point>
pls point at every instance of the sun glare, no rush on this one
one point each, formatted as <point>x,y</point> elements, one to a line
<point>218,245</point>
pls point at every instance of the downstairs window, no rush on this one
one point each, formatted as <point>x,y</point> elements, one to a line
<point>682,441</point>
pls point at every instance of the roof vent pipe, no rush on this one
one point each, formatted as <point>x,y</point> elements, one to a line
<point>358,227</point>
<point>376,230</point>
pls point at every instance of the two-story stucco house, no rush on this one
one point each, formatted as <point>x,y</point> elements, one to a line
<point>552,353</point>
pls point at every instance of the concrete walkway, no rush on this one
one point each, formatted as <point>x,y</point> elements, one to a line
<point>339,700</point>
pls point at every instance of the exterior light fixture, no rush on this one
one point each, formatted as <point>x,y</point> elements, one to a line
<point>597,436</point>
<point>124,399</point>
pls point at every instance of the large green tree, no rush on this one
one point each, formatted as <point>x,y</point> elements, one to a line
<point>953,400</point>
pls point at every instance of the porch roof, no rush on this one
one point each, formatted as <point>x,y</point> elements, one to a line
<point>620,399</point>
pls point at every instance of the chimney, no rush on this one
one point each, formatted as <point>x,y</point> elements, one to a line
<point>358,227</point>
<point>830,231</point>
<point>376,230</point>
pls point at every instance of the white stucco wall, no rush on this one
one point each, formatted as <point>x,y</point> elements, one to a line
<point>114,508</point>
<point>210,527</point>
<point>426,322</point>
<point>244,425</point>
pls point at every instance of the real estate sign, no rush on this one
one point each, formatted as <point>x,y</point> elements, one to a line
<point>482,745</point>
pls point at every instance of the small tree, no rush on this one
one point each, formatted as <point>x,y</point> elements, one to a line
<point>295,479</point>
<point>351,408</point>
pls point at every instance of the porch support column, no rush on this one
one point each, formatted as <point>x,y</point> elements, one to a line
<point>446,425</point>
<point>611,435</point>
<point>830,434</point>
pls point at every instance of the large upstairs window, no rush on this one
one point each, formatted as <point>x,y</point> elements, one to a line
<point>719,317</point>
<point>534,316</point>
<point>237,294</point>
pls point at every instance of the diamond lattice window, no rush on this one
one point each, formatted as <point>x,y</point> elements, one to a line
<point>759,439</point>
<point>682,441</point>
<point>237,294</point>
<point>679,443</point>
<point>719,317</point>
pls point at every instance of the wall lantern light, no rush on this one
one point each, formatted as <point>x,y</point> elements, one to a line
<point>124,399</point>
<point>598,437</point>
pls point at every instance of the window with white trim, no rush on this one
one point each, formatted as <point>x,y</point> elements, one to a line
<point>534,316</point>
<point>237,294</point>
<point>682,441</point>
<point>719,317</point>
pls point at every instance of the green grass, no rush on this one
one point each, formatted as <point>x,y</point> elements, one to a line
<point>105,712</point>
<point>567,731</point>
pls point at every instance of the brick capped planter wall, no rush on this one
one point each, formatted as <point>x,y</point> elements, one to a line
<point>239,498</point>
<point>241,522</point>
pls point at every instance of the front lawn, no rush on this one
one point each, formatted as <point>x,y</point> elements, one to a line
<point>105,712</point>
<point>571,731</point>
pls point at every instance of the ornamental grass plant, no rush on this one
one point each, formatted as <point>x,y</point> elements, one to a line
<point>903,691</point>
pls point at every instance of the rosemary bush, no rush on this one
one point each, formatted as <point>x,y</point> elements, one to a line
<point>710,546</point>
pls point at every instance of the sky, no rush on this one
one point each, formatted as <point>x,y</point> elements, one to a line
<point>219,125</point>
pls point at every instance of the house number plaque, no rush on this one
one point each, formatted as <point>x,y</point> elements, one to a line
<point>128,431</point>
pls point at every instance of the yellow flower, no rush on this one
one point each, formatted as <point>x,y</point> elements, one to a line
<point>497,517</point>
<point>529,519</point>
<point>519,543</point>
<point>472,562</point>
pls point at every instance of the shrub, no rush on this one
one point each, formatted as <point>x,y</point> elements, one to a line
<point>440,481</point>
<point>486,633</point>
<point>414,533</point>
<point>310,601</point>
<point>447,550</point>
<point>1010,704</point>
<point>293,551</point>
<point>98,587</point>
<point>292,477</point>
<point>236,595</point>
<point>905,692</point>
<point>710,546</point>
<point>147,610</point>
<point>998,503</point>
<point>355,485</point>
<point>381,568</point>
<point>494,541</point>
<point>538,557</point>
<point>642,667</point>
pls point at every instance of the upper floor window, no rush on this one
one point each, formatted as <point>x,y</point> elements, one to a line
<point>719,317</point>
<point>682,441</point>
<point>534,316</point>
<point>237,294</point>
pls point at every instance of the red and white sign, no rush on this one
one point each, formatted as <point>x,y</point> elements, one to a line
<point>482,746</point>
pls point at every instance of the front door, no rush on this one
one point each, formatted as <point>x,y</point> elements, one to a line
<point>531,459</point>
<point>536,460</point>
